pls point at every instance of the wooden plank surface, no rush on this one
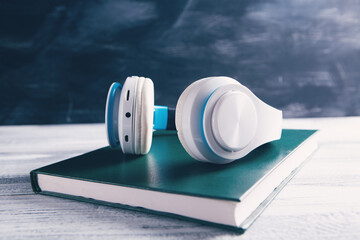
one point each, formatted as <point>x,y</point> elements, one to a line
<point>322,201</point>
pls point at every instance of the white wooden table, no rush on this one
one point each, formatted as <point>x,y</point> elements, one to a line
<point>321,202</point>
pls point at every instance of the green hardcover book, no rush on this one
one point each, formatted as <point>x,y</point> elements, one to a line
<point>168,181</point>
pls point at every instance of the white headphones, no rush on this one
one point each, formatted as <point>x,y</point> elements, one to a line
<point>218,120</point>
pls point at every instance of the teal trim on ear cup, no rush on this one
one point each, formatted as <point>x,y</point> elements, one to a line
<point>202,120</point>
<point>112,111</point>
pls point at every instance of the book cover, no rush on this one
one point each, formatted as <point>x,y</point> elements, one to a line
<point>168,181</point>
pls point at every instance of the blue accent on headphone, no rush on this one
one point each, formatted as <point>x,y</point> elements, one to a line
<point>160,117</point>
<point>202,120</point>
<point>110,114</point>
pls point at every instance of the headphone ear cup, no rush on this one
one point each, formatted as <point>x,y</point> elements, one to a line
<point>189,117</point>
<point>144,115</point>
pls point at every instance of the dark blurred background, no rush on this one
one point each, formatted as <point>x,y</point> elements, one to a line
<point>58,57</point>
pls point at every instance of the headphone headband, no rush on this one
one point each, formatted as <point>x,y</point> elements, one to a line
<point>164,118</point>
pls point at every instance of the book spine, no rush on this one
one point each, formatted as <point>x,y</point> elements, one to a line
<point>34,182</point>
